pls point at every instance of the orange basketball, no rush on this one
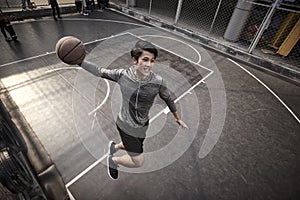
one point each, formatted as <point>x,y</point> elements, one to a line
<point>70,50</point>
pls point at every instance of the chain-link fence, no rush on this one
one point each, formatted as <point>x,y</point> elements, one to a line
<point>279,40</point>
<point>268,28</point>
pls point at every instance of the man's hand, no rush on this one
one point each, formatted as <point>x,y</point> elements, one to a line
<point>181,124</point>
<point>179,121</point>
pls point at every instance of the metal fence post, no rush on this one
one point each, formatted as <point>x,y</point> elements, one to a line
<point>213,22</point>
<point>150,7</point>
<point>131,3</point>
<point>179,6</point>
<point>237,21</point>
<point>263,26</point>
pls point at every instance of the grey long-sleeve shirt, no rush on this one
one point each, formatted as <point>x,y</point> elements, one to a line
<point>137,95</point>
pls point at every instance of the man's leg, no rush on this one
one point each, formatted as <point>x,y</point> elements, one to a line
<point>9,28</point>
<point>134,157</point>
<point>101,4</point>
<point>53,11</point>
<point>83,9</point>
<point>125,160</point>
<point>28,4</point>
<point>120,146</point>
<point>4,34</point>
<point>106,3</point>
<point>57,10</point>
<point>130,161</point>
<point>23,4</point>
<point>78,5</point>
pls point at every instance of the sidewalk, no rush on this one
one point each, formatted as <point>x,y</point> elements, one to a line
<point>255,61</point>
<point>40,11</point>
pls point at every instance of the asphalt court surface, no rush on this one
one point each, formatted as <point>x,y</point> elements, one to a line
<point>248,137</point>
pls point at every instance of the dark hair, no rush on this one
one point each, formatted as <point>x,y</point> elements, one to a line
<point>141,46</point>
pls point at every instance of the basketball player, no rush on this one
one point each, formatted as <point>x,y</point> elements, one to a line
<point>139,86</point>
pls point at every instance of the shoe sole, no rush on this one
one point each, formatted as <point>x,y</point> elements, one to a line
<point>107,162</point>
<point>109,144</point>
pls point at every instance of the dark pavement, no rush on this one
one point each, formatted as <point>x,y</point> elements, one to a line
<point>243,143</point>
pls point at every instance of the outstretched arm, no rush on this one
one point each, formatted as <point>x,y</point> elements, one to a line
<point>91,67</point>
<point>110,74</point>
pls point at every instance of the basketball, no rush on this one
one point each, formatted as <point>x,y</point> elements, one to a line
<point>70,50</point>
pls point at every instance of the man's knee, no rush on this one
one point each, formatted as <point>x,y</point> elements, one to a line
<point>138,160</point>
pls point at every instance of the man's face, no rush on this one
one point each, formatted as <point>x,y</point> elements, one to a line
<point>144,64</point>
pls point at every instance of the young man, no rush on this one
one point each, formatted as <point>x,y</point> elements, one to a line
<point>139,87</point>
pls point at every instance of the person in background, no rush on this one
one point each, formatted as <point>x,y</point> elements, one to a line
<point>78,5</point>
<point>83,8</point>
<point>5,25</point>
<point>24,5</point>
<point>102,4</point>
<point>54,6</point>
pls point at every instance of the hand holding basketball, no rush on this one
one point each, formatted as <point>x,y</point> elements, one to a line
<point>70,50</point>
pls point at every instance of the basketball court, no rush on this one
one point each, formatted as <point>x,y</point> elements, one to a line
<point>242,140</point>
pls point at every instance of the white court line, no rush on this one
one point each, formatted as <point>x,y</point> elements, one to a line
<point>101,104</point>
<point>177,40</point>
<point>61,68</point>
<point>195,63</point>
<point>70,194</point>
<point>166,109</point>
<point>48,53</point>
<point>104,100</point>
<point>293,114</point>
<point>86,170</point>
<point>103,20</point>
<point>30,58</point>
<point>84,19</point>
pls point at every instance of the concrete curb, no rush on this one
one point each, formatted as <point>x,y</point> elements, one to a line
<point>45,170</point>
<point>37,13</point>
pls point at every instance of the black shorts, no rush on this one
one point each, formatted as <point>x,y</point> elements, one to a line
<point>133,145</point>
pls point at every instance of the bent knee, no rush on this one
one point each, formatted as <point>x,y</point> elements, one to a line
<point>138,160</point>
<point>139,163</point>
